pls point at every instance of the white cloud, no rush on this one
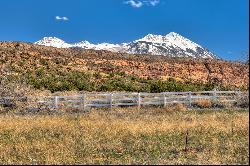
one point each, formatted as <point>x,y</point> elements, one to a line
<point>154,2</point>
<point>135,4</point>
<point>61,18</point>
<point>140,3</point>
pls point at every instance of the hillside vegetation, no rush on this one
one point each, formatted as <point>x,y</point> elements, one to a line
<point>48,68</point>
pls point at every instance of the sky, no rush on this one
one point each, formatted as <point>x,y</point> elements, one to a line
<point>222,26</point>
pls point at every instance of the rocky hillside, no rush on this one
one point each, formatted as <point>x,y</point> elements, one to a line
<point>16,58</point>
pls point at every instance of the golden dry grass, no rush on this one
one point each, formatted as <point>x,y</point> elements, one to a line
<point>127,136</point>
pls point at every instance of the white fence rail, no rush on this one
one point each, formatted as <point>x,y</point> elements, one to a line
<point>110,100</point>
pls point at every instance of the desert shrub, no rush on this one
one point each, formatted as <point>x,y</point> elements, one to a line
<point>55,80</point>
<point>202,103</point>
<point>97,75</point>
<point>242,102</point>
<point>84,85</point>
<point>44,62</point>
<point>60,81</point>
<point>105,87</point>
<point>170,85</point>
<point>62,86</point>
<point>225,104</point>
<point>180,107</point>
<point>13,94</point>
<point>111,75</point>
<point>121,74</point>
<point>40,73</point>
<point>175,107</point>
<point>2,110</point>
<point>116,85</point>
<point>168,109</point>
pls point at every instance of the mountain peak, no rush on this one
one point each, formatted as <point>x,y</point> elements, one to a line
<point>52,41</point>
<point>151,38</point>
<point>173,34</point>
<point>84,42</point>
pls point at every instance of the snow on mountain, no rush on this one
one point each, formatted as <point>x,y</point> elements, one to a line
<point>53,42</point>
<point>101,46</point>
<point>83,44</point>
<point>109,47</point>
<point>172,45</point>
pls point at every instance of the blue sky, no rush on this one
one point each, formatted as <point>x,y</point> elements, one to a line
<point>222,26</point>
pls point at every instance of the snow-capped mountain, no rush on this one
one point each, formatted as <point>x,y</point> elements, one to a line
<point>171,45</point>
<point>53,42</point>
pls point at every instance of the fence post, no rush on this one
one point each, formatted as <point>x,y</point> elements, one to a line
<point>164,99</point>
<point>237,96</point>
<point>84,101</point>
<point>190,98</point>
<point>111,95</point>
<point>139,100</point>
<point>56,102</point>
<point>33,162</point>
<point>214,96</point>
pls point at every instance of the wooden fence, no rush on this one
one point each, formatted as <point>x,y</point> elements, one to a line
<point>89,100</point>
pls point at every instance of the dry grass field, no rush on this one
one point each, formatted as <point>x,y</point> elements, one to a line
<point>127,136</point>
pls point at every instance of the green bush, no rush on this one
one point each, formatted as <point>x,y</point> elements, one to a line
<point>54,81</point>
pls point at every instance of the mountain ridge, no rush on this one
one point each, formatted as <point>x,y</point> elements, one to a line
<point>171,45</point>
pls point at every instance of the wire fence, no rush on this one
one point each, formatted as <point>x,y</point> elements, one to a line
<point>110,100</point>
